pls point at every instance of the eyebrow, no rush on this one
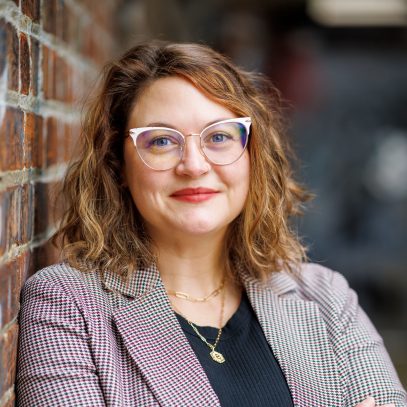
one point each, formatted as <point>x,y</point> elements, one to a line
<point>160,124</point>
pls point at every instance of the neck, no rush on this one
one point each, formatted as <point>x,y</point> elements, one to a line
<point>191,264</point>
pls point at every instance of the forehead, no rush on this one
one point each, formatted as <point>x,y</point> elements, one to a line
<point>179,103</point>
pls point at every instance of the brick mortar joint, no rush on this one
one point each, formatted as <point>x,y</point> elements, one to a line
<point>32,175</point>
<point>45,108</point>
<point>17,250</point>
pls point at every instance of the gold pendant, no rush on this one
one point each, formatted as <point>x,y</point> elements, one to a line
<point>217,357</point>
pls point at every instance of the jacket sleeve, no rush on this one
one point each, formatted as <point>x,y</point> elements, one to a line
<point>54,366</point>
<point>364,361</point>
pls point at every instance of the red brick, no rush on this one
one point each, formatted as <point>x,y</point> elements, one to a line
<point>21,214</point>
<point>60,19</point>
<point>67,142</point>
<point>31,8</point>
<point>50,128</point>
<point>27,213</point>
<point>45,207</point>
<point>73,149</point>
<point>30,136</point>
<point>24,64</point>
<point>67,27</point>
<point>48,62</point>
<point>11,140</point>
<point>71,145</point>
<point>74,31</point>
<point>12,57</point>
<point>60,75</point>
<point>68,94</point>
<point>49,16</point>
<point>8,354</point>
<point>5,198</point>
<point>10,218</point>
<point>45,69</point>
<point>41,209</point>
<point>12,277</point>
<point>33,143</point>
<point>14,217</point>
<point>35,58</point>
<point>17,214</point>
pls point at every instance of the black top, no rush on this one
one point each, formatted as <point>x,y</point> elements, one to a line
<point>250,375</point>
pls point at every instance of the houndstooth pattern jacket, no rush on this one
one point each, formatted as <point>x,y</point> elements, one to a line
<point>88,341</point>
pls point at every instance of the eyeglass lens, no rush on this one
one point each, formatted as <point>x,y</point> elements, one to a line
<point>221,143</point>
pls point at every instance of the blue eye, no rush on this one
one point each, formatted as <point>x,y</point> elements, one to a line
<point>161,142</point>
<point>219,138</point>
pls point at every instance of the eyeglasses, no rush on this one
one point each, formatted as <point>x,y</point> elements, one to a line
<point>162,148</point>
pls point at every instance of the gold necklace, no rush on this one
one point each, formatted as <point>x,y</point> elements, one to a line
<point>188,297</point>
<point>215,355</point>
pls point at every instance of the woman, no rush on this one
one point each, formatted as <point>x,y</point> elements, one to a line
<point>183,284</point>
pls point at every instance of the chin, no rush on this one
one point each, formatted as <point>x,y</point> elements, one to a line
<point>200,228</point>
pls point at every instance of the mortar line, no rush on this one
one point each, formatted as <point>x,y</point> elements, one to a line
<point>53,173</point>
<point>45,108</point>
<point>17,250</point>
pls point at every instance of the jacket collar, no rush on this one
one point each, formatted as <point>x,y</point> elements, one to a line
<point>292,326</point>
<point>145,280</point>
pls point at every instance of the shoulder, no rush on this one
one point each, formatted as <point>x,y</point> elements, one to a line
<point>64,279</point>
<point>55,273</point>
<point>313,279</point>
<point>330,291</point>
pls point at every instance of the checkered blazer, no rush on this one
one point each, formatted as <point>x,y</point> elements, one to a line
<point>88,341</point>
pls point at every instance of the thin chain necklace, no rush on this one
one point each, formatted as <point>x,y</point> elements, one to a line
<point>215,355</point>
<point>188,297</point>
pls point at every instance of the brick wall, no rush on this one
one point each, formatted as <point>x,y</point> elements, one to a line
<point>50,54</point>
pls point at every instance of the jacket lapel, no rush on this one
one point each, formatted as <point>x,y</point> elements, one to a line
<point>156,342</point>
<point>293,327</point>
<point>297,334</point>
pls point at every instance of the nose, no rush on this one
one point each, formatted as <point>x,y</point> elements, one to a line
<point>193,163</point>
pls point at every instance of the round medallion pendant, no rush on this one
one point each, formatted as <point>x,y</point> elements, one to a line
<point>217,357</point>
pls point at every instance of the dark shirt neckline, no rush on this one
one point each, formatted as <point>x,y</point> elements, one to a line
<point>235,323</point>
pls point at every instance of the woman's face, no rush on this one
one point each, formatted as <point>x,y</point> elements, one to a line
<point>160,195</point>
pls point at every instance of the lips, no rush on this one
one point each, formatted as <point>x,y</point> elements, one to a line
<point>194,194</point>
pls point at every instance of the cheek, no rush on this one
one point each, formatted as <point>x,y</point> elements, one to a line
<point>237,177</point>
<point>241,173</point>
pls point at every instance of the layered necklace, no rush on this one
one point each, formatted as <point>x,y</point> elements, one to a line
<point>215,355</point>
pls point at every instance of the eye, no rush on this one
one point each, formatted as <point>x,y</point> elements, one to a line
<point>162,142</point>
<point>217,138</point>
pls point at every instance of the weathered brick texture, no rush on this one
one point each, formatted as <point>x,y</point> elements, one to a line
<point>50,54</point>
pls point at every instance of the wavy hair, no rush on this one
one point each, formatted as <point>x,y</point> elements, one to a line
<point>100,222</point>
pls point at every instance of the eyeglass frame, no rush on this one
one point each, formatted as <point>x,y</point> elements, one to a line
<point>245,121</point>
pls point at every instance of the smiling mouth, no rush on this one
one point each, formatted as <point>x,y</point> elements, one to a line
<point>194,195</point>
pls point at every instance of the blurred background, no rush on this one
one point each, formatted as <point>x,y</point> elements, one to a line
<point>340,64</point>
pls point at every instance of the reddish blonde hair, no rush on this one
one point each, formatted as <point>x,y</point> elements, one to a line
<point>101,223</point>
